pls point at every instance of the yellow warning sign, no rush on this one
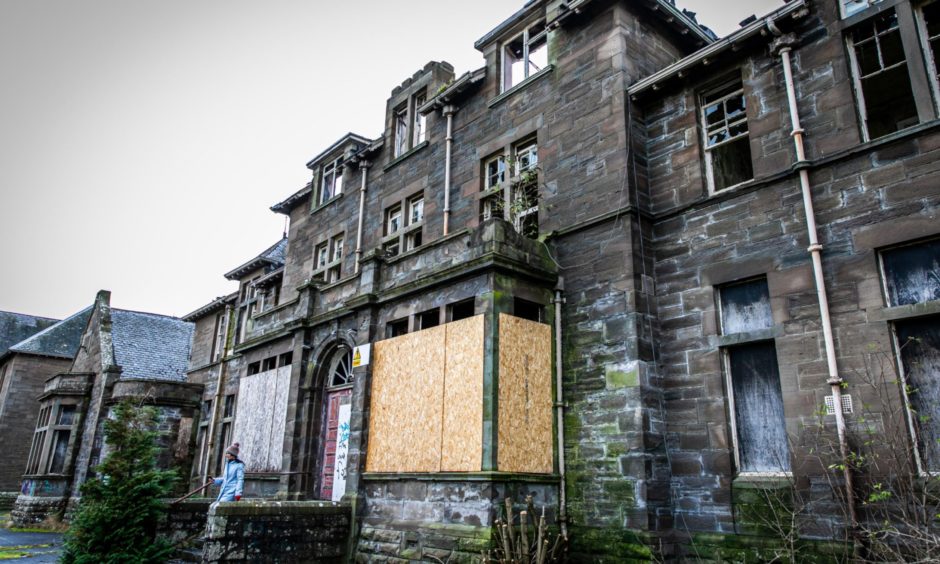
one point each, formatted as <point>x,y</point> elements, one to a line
<point>361,355</point>
<point>357,359</point>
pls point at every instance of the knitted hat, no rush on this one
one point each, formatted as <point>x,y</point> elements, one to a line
<point>233,450</point>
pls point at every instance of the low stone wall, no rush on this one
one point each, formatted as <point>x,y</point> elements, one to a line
<point>277,531</point>
<point>29,510</point>
<point>185,521</point>
<point>7,499</point>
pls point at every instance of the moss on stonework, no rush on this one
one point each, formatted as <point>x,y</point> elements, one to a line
<point>621,491</point>
<point>746,549</point>
<point>617,379</point>
<point>603,546</point>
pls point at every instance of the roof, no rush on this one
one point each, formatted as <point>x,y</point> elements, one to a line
<point>682,20</point>
<point>60,340</point>
<point>15,327</point>
<point>792,10</point>
<point>211,307</point>
<point>273,256</point>
<point>343,140</point>
<point>286,205</point>
<point>149,346</point>
<point>457,89</point>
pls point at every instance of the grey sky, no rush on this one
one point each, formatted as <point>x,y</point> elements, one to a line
<point>142,142</point>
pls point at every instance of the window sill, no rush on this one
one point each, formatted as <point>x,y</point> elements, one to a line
<point>521,86</point>
<point>329,202</point>
<point>405,155</point>
<point>905,311</point>
<point>867,13</point>
<point>763,480</point>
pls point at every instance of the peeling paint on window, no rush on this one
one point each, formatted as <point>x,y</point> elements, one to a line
<point>912,273</point>
<point>745,307</point>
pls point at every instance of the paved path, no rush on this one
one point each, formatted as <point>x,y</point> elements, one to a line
<point>43,547</point>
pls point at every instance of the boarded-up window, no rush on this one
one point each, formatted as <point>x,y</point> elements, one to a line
<point>919,341</point>
<point>259,425</point>
<point>912,273</point>
<point>760,428</point>
<point>745,307</point>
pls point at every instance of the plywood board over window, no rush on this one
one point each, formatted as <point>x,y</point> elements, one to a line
<point>463,397</point>
<point>525,396</point>
<point>260,419</point>
<point>407,403</point>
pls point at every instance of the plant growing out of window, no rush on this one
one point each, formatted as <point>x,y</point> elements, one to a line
<point>515,199</point>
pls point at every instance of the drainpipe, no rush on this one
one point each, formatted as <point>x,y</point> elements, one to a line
<point>364,168</point>
<point>448,111</point>
<point>560,409</point>
<point>815,249</point>
<point>219,388</point>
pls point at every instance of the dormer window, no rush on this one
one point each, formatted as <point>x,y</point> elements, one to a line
<point>331,182</point>
<point>525,55</point>
<point>409,128</point>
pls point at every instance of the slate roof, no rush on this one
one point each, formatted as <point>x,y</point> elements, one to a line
<point>60,340</point>
<point>16,327</point>
<point>274,256</point>
<point>150,346</point>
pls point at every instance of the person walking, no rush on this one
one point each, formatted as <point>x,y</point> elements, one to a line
<point>233,476</point>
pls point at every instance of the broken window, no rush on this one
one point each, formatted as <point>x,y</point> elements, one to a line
<point>745,307</point>
<point>286,359</point>
<point>516,201</point>
<point>218,343</point>
<point>757,401</point>
<point>205,414</point>
<point>332,183</point>
<point>525,55</point>
<point>930,13</point>
<point>401,130</point>
<point>527,310</point>
<point>912,273</point>
<point>428,319</point>
<point>461,310</point>
<point>269,363</point>
<point>919,346</point>
<point>392,246</point>
<point>396,328</point>
<point>413,237</point>
<point>340,368</point>
<point>336,259</point>
<point>420,125</point>
<point>727,144</point>
<point>883,85</point>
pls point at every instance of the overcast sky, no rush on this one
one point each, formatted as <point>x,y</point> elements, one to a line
<point>142,142</point>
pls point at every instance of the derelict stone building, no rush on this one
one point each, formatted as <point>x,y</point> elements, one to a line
<point>109,355</point>
<point>623,268</point>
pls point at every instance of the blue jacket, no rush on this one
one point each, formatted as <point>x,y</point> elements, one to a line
<point>232,480</point>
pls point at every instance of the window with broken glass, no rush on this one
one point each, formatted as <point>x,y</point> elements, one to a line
<point>331,183</point>
<point>882,82</point>
<point>929,18</point>
<point>727,144</point>
<point>225,434</point>
<point>752,375</point>
<point>328,259</point>
<point>415,220</point>
<point>205,415</point>
<point>391,243</point>
<point>525,55</point>
<point>911,276</point>
<point>404,225</point>
<point>48,452</point>
<point>409,127</point>
<point>516,198</point>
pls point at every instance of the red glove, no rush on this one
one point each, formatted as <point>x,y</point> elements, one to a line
<point>238,498</point>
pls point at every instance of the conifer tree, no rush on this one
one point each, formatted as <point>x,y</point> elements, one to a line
<point>120,508</point>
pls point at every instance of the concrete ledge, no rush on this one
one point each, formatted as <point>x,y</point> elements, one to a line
<point>280,508</point>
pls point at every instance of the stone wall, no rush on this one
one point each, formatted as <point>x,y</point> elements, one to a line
<point>185,521</point>
<point>19,411</point>
<point>288,531</point>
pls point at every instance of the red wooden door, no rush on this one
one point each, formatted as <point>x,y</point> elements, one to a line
<point>333,401</point>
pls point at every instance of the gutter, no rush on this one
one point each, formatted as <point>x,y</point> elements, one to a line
<point>795,9</point>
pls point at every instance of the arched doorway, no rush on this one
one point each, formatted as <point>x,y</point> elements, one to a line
<point>337,403</point>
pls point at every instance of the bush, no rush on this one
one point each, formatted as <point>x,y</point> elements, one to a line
<point>120,508</point>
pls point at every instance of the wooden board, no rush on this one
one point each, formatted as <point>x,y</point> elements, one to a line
<point>260,415</point>
<point>525,396</point>
<point>462,441</point>
<point>407,403</point>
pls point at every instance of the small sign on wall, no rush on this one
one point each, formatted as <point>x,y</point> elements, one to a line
<point>361,355</point>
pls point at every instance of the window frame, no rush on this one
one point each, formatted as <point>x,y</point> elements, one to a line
<point>931,63</point>
<point>332,170</point>
<point>708,149</point>
<point>408,234</point>
<point>328,258</point>
<point>528,39</point>
<point>510,177</point>
<point>409,127</point>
